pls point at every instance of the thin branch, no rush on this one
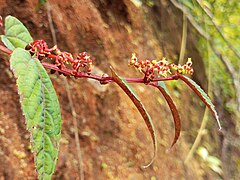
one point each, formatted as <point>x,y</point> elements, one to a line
<point>73,111</point>
<point>52,29</point>
<point>198,138</point>
<point>205,116</point>
<point>184,40</point>
<point>76,134</point>
<point>101,79</point>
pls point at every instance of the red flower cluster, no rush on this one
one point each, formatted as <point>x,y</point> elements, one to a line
<point>62,58</point>
<point>41,50</point>
<point>185,69</point>
<point>155,68</point>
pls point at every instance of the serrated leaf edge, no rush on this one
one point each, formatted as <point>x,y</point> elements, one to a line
<point>173,108</point>
<point>122,83</point>
<point>202,95</point>
<point>44,111</point>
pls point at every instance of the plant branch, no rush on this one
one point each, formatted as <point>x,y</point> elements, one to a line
<point>205,116</point>
<point>184,40</point>
<point>53,32</point>
<point>104,79</point>
<point>101,79</point>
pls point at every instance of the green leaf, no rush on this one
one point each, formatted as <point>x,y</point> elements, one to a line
<point>132,95</point>
<point>214,160</point>
<point>202,95</point>
<point>203,152</point>
<point>41,109</point>
<point>215,164</point>
<point>16,34</point>
<point>177,122</point>
<point>41,3</point>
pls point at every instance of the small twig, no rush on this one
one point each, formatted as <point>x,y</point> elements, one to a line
<point>77,141</point>
<point>52,29</point>
<point>73,111</point>
<point>184,40</point>
<point>101,79</point>
<point>104,79</point>
<point>205,116</point>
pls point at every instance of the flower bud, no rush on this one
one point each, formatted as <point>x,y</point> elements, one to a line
<point>189,62</point>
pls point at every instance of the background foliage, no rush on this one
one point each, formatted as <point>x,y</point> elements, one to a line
<point>220,49</point>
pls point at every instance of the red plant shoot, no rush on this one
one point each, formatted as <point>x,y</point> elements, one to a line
<point>80,67</point>
<point>61,58</point>
<point>154,71</point>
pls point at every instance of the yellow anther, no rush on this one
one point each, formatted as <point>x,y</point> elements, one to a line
<point>140,69</point>
<point>169,71</point>
<point>54,47</point>
<point>154,62</point>
<point>58,52</point>
<point>134,56</point>
<point>164,74</point>
<point>189,62</point>
<point>149,65</point>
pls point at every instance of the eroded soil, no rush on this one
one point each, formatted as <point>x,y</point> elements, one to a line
<point>114,139</point>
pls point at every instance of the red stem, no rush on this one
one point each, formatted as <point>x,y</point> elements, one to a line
<point>6,50</point>
<point>101,79</point>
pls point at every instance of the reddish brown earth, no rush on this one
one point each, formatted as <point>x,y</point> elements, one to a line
<point>114,139</point>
